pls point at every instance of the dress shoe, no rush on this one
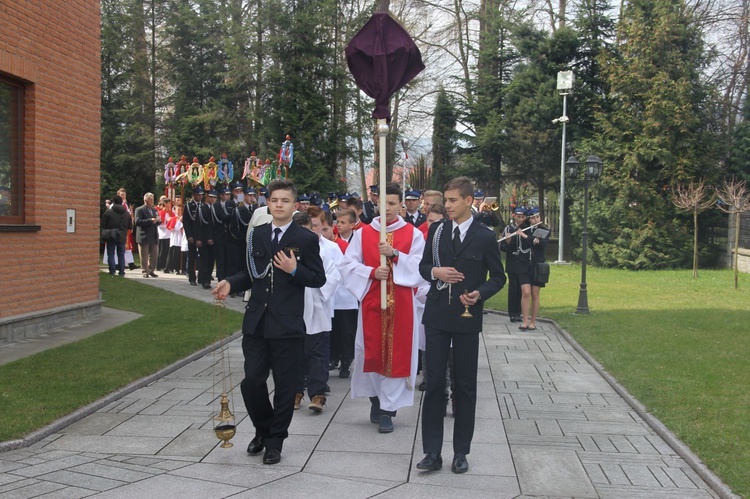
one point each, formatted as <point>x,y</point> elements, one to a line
<point>460,464</point>
<point>131,266</point>
<point>515,318</point>
<point>193,283</point>
<point>327,389</point>
<point>272,456</point>
<point>344,372</point>
<point>333,365</point>
<point>206,286</point>
<point>423,386</point>
<point>432,461</point>
<point>153,274</point>
<point>318,401</point>
<point>256,445</point>
<point>385,424</point>
<point>298,400</point>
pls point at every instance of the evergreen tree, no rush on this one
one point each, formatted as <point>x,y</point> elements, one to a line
<point>127,111</point>
<point>443,140</point>
<point>655,135</point>
<point>531,102</point>
<point>739,159</point>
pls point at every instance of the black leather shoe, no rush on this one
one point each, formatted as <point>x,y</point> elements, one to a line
<point>272,456</point>
<point>193,283</point>
<point>256,445</point>
<point>385,424</point>
<point>431,461</point>
<point>206,286</point>
<point>460,464</point>
<point>153,274</point>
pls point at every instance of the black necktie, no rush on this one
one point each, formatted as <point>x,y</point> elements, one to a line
<point>275,242</point>
<point>456,240</point>
<point>410,219</point>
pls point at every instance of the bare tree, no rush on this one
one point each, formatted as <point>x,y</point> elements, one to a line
<point>734,198</point>
<point>695,198</point>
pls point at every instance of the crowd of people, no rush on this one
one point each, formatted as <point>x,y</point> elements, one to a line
<point>327,289</point>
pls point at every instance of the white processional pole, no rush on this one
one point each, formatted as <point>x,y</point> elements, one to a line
<point>382,128</point>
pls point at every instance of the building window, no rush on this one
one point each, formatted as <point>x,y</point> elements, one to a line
<point>11,152</point>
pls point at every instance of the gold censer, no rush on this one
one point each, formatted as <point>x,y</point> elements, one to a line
<point>226,428</point>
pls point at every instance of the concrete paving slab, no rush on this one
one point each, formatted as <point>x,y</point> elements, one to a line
<point>551,472</point>
<point>516,372</point>
<point>191,443</point>
<point>98,423</point>
<point>580,383</point>
<point>68,493</point>
<point>355,438</point>
<point>171,486</point>
<point>394,467</point>
<point>82,480</point>
<point>469,484</point>
<point>425,491</point>
<point>240,476</point>
<point>30,488</point>
<point>311,486</point>
<point>117,445</point>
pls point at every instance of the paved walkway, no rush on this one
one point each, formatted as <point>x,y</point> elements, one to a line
<point>548,425</point>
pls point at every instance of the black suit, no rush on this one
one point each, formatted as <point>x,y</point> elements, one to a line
<point>274,329</point>
<point>220,215</point>
<point>418,219</point>
<point>191,223</point>
<point>477,255</point>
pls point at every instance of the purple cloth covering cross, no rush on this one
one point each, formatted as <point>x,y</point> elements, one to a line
<point>383,58</point>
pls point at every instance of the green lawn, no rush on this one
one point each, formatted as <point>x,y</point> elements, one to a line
<point>37,390</point>
<point>680,346</point>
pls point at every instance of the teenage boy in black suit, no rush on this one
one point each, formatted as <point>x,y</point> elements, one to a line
<point>284,260</point>
<point>466,251</point>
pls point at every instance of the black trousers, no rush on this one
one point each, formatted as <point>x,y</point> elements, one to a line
<point>315,370</point>
<point>220,255</point>
<point>465,355</point>
<point>343,335</point>
<point>235,256</point>
<point>161,261</point>
<point>192,261</point>
<point>206,267</point>
<point>173,259</point>
<point>514,295</point>
<point>284,358</point>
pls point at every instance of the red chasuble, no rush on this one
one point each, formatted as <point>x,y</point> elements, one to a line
<point>387,333</point>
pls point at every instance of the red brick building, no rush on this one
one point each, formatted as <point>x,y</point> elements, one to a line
<point>49,164</point>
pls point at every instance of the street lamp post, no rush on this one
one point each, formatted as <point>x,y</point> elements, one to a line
<point>564,87</point>
<point>591,173</point>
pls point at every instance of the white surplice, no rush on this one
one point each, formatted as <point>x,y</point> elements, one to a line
<point>393,393</point>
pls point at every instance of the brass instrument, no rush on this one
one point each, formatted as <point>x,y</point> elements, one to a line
<point>334,204</point>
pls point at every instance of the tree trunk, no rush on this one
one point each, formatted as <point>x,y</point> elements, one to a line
<point>736,248</point>
<point>695,242</point>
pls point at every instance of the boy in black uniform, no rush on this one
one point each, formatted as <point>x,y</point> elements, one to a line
<point>466,251</point>
<point>284,259</point>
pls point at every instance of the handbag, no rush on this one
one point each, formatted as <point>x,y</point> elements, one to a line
<point>541,272</point>
<point>109,235</point>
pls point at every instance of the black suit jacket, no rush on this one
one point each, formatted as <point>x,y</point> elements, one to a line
<point>282,309</point>
<point>478,255</point>
<point>421,218</point>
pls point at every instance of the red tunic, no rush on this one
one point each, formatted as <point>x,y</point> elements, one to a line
<point>387,333</point>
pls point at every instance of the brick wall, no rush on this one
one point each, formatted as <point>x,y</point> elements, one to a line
<point>54,46</point>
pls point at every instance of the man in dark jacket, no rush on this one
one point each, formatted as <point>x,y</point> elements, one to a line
<point>146,235</point>
<point>284,259</point>
<point>117,218</point>
<point>466,252</point>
